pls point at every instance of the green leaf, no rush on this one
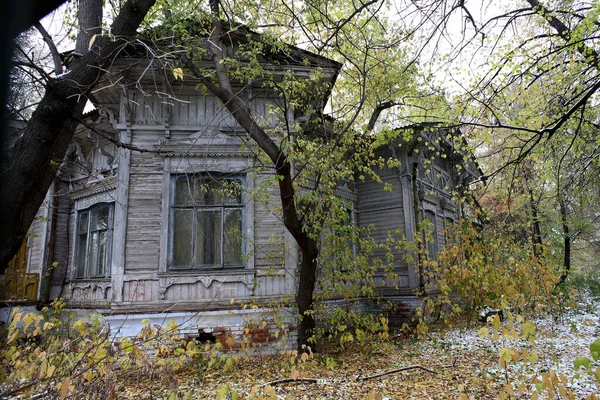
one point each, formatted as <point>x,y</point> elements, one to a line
<point>595,349</point>
<point>483,332</point>
<point>539,387</point>
<point>581,362</point>
<point>496,322</point>
<point>533,357</point>
<point>223,392</point>
<point>528,329</point>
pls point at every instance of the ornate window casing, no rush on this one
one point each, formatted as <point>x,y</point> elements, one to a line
<point>93,241</point>
<point>206,222</point>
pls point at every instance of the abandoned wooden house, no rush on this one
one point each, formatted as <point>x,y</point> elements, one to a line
<point>167,234</point>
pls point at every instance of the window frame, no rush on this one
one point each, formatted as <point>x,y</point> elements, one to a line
<point>199,208</point>
<point>86,271</point>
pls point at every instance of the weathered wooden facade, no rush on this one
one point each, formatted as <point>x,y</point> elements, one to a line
<point>193,227</point>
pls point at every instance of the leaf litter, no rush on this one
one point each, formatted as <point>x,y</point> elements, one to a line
<point>451,363</point>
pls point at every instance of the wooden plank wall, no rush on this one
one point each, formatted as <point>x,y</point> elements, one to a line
<point>384,210</point>
<point>144,213</point>
<point>194,110</point>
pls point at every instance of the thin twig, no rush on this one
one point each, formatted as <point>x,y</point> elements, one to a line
<point>292,380</point>
<point>393,371</point>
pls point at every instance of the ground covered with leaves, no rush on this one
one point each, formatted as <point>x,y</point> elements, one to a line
<point>462,362</point>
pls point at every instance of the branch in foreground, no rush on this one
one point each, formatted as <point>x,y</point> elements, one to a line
<point>293,380</point>
<point>116,142</point>
<point>393,371</point>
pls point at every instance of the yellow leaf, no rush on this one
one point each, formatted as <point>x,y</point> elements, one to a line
<point>528,329</point>
<point>483,332</point>
<point>27,320</point>
<point>64,388</point>
<point>519,318</point>
<point>373,395</point>
<point>506,354</point>
<point>269,392</point>
<point>88,376</point>
<point>16,318</point>
<point>44,368</point>
<point>495,337</point>
<point>496,322</point>
<point>553,377</point>
<point>92,40</point>
<point>12,337</point>
<point>562,391</point>
<point>533,357</point>
<point>50,371</point>
<point>178,73</point>
<point>502,362</point>
<point>295,374</point>
<point>515,354</point>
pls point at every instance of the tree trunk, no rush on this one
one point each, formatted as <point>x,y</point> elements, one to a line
<point>304,297</point>
<point>417,218</point>
<point>29,167</point>
<point>536,234</point>
<point>291,219</point>
<point>567,244</point>
<point>90,23</point>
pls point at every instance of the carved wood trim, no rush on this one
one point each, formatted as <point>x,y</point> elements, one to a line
<point>168,280</point>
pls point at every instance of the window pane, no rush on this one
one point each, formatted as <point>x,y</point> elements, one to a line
<point>102,253</point>
<point>207,192</point>
<point>81,252</point>
<point>93,255</point>
<point>82,226</point>
<point>184,189</point>
<point>208,238</point>
<point>99,219</point>
<point>232,191</point>
<point>233,237</point>
<point>182,238</point>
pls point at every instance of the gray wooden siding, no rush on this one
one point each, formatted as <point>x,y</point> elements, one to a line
<point>384,211</point>
<point>193,110</point>
<point>37,238</point>
<point>144,213</point>
<point>272,285</point>
<point>142,290</point>
<point>269,242</point>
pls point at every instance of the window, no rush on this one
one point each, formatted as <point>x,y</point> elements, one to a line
<point>94,238</point>
<point>431,238</point>
<point>206,222</point>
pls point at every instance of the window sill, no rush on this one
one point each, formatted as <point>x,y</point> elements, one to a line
<point>207,270</point>
<point>205,277</point>
<point>85,280</point>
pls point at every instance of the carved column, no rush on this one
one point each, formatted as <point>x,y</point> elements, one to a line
<point>120,220</point>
